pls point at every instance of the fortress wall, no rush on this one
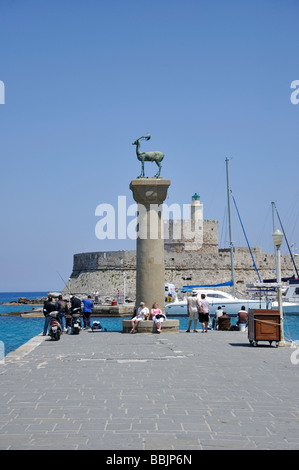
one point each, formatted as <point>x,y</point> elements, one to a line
<point>200,235</point>
<point>191,255</point>
<point>104,259</point>
<point>103,271</point>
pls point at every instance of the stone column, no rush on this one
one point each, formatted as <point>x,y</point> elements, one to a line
<point>150,193</point>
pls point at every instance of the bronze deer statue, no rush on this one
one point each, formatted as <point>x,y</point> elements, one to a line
<point>148,156</point>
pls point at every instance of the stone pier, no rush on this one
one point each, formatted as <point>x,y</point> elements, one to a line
<point>150,193</point>
<point>179,392</point>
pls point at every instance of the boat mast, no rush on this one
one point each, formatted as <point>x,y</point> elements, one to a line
<point>230,229</point>
<point>273,222</point>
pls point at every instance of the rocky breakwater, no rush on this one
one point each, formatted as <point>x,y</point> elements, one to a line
<point>35,301</point>
<point>25,301</point>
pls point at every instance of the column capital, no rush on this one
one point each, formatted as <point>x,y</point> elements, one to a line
<point>149,190</point>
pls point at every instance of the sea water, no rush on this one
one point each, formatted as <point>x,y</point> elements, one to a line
<point>15,330</point>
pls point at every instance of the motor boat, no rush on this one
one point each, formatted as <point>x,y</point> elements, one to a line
<point>292,292</point>
<point>216,298</point>
<point>290,299</point>
<point>290,306</point>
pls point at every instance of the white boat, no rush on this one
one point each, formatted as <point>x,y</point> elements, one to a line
<point>216,298</point>
<point>292,292</point>
<point>289,308</point>
<point>290,299</point>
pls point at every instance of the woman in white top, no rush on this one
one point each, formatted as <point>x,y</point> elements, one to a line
<point>142,314</point>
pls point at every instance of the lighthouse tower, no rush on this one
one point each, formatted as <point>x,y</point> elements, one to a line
<point>189,228</point>
<point>196,210</point>
<point>193,228</point>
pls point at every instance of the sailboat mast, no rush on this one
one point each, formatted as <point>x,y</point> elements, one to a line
<point>230,228</point>
<point>273,218</point>
<point>273,222</point>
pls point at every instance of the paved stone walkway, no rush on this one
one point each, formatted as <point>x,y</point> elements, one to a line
<point>176,391</point>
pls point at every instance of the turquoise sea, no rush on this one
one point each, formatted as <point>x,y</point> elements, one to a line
<point>15,331</point>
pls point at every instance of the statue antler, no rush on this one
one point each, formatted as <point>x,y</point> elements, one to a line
<point>145,137</point>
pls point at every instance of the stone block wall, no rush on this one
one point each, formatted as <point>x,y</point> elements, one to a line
<point>103,271</point>
<point>193,259</point>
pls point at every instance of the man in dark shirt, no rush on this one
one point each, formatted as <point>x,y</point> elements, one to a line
<point>75,303</point>
<point>49,307</point>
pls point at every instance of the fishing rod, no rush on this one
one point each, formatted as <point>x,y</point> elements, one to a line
<point>63,281</point>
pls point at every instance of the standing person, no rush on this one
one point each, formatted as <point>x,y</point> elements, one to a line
<point>192,310</point>
<point>96,296</point>
<point>88,304</point>
<point>62,308</point>
<point>142,314</point>
<point>157,316</point>
<point>204,313</point>
<point>242,317</point>
<point>49,307</point>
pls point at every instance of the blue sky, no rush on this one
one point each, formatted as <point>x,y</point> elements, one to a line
<point>83,79</point>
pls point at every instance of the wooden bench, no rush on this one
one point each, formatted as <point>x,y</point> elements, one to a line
<point>148,326</point>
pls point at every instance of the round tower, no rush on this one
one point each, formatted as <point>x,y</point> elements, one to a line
<point>196,209</point>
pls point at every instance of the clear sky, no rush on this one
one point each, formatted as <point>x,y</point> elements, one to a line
<point>209,79</point>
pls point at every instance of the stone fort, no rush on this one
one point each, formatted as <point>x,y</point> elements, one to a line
<point>192,256</point>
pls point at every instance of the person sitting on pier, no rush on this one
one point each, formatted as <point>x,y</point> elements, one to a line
<point>142,314</point>
<point>242,317</point>
<point>157,316</point>
<point>218,313</point>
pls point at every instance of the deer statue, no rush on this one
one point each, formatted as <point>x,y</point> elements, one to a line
<point>148,156</point>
